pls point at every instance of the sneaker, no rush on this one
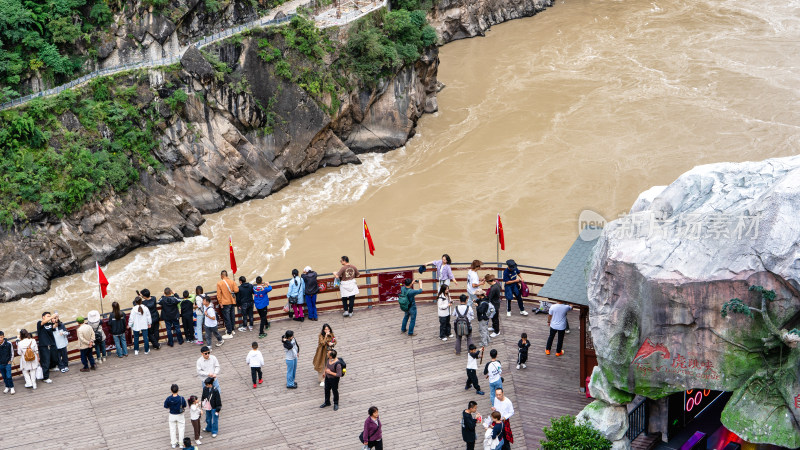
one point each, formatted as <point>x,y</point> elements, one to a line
<point>233,332</point>
<point>28,385</point>
<point>479,392</point>
<point>5,391</point>
<point>214,435</point>
<point>494,334</point>
<point>491,329</point>
<point>198,442</point>
<point>508,314</point>
<point>524,366</point>
<point>242,329</point>
<point>99,360</point>
<point>255,385</point>
<point>104,358</point>
<point>227,336</point>
<point>349,314</point>
<point>260,381</point>
<point>561,353</point>
<point>517,366</point>
<point>34,388</point>
<point>147,352</point>
<point>84,369</point>
<point>135,352</point>
<point>451,335</point>
<point>249,328</point>
<point>524,313</point>
<point>444,339</point>
<point>344,314</point>
<point>567,331</point>
<point>547,352</point>
<point>174,445</point>
<point>12,391</point>
<point>262,335</point>
<point>219,344</point>
<point>322,383</point>
<point>64,370</point>
<point>48,381</point>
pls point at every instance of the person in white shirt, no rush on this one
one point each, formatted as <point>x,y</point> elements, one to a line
<point>208,367</point>
<point>557,320</point>
<point>473,282</point>
<point>256,361</point>
<point>210,322</point>
<point>443,304</point>
<point>463,322</point>
<point>139,322</point>
<point>503,405</point>
<point>472,369</point>
<point>494,372</point>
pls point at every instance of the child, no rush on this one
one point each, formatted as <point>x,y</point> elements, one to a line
<point>187,444</point>
<point>523,345</point>
<point>195,411</point>
<point>256,361</point>
<point>472,369</point>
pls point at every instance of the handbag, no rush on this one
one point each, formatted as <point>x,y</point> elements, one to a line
<point>286,308</point>
<point>39,373</point>
<point>206,405</point>
<point>524,290</point>
<point>293,299</point>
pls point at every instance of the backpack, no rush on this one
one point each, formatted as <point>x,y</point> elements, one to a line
<point>29,354</point>
<point>344,366</point>
<point>402,300</point>
<point>491,311</point>
<point>98,335</point>
<point>462,324</point>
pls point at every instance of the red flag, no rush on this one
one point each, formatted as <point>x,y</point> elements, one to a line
<point>498,230</point>
<point>233,257</point>
<point>368,238</point>
<point>102,280</point>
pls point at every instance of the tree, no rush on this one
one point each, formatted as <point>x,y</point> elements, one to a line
<point>565,434</point>
<point>737,306</point>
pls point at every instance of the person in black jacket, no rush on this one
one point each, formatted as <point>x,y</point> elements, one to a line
<point>152,305</point>
<point>494,299</point>
<point>6,356</point>
<point>117,322</point>
<point>244,299</point>
<point>211,394</point>
<point>187,318</point>
<point>312,289</point>
<point>169,311</point>
<point>48,352</point>
<point>468,422</point>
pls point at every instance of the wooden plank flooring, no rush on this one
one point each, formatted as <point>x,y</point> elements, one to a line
<point>416,382</point>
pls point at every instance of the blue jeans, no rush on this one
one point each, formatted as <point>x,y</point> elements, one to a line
<point>121,344</point>
<point>100,348</point>
<point>212,421</point>
<point>136,334</point>
<point>500,444</point>
<point>173,325</point>
<point>311,301</point>
<point>63,358</point>
<point>5,371</point>
<point>291,370</point>
<point>492,387</point>
<point>87,358</point>
<point>412,313</point>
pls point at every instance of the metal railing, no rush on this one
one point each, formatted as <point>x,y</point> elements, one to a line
<point>373,292</point>
<point>637,420</point>
<point>258,23</point>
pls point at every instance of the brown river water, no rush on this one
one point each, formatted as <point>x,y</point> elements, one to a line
<point>582,106</point>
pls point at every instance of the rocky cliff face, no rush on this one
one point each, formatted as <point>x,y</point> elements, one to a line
<point>215,153</point>
<point>661,292</point>
<point>459,19</point>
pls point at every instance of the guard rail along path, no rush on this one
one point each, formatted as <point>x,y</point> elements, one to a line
<point>325,19</point>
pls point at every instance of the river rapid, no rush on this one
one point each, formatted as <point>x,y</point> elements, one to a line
<point>583,106</point>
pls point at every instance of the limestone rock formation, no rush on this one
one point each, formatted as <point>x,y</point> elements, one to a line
<point>661,276</point>
<point>610,420</point>
<point>460,19</point>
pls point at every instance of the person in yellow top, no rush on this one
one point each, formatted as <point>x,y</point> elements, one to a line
<point>225,290</point>
<point>85,344</point>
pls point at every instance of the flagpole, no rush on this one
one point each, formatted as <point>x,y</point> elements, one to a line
<point>497,236</point>
<point>99,287</point>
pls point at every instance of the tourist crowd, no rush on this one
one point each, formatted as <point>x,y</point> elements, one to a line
<point>192,318</point>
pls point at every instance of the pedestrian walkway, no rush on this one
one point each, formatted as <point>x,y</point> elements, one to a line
<point>416,382</point>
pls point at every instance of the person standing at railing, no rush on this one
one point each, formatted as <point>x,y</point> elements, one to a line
<point>29,360</point>
<point>244,298</point>
<point>261,299</point>
<point>494,298</point>
<point>48,351</point>
<point>169,310</point>
<point>139,322</point>
<point>473,282</point>
<point>61,336</point>
<point>443,270</point>
<point>6,358</point>
<point>485,311</point>
<point>348,287</point>
<point>199,315</point>
<point>296,295</point>
<point>187,316</point>
<point>86,344</point>
<point>512,280</point>
<point>225,290</point>
<point>312,289</point>
<point>210,322</point>
<point>443,304</point>
<point>151,304</point>
<point>93,318</point>
<point>411,295</point>
<point>117,323</point>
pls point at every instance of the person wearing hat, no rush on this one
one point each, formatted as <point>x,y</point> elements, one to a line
<point>6,357</point>
<point>494,298</point>
<point>93,318</point>
<point>85,344</point>
<point>485,312</point>
<point>311,291</point>
<point>512,280</point>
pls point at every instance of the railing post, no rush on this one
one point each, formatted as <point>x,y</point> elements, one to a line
<point>369,290</point>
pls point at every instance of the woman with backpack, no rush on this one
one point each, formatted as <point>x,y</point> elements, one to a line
<point>118,323</point>
<point>99,335</point>
<point>29,361</point>
<point>326,342</point>
<point>443,305</point>
<point>463,322</point>
<point>139,321</point>
<point>296,295</point>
